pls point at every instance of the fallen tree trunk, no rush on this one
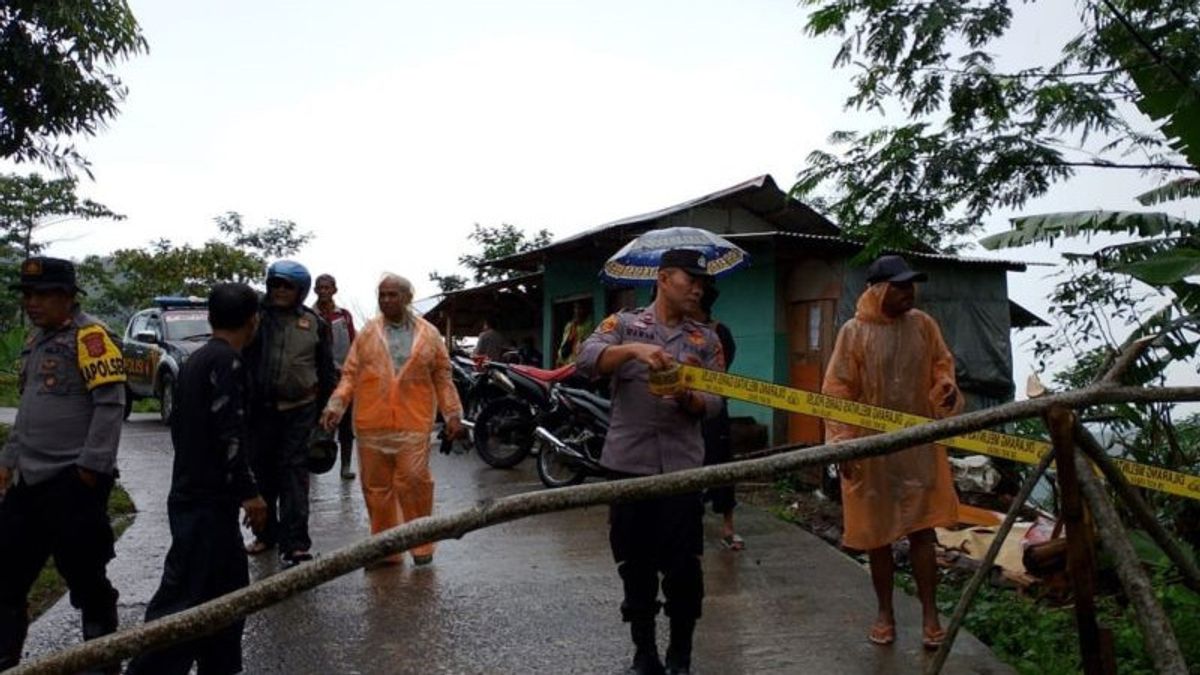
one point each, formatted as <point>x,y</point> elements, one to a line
<point>221,611</point>
<point>1133,501</point>
<point>1157,635</point>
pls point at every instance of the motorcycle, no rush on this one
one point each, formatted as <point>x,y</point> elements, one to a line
<point>571,452</point>
<point>505,425</point>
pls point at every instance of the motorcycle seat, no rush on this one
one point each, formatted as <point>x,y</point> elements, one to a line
<point>594,399</point>
<point>546,376</point>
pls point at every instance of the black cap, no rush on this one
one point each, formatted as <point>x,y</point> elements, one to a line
<point>687,259</point>
<point>892,268</point>
<point>42,273</point>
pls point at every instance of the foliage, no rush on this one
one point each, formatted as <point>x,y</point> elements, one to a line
<point>1037,638</point>
<point>127,280</point>
<point>976,138</point>
<point>56,65</point>
<point>494,243</point>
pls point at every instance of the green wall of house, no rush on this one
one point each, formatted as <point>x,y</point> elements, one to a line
<point>748,305</point>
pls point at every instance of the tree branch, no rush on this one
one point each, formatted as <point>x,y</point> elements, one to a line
<point>221,611</point>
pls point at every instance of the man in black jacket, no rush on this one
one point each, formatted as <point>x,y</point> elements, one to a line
<point>292,373</point>
<point>210,479</point>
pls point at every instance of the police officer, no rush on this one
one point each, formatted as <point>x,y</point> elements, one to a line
<point>653,434</point>
<point>58,465</point>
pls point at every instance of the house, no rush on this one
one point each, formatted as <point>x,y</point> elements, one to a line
<point>785,309</point>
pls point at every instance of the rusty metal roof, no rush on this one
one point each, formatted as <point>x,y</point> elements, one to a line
<point>760,195</point>
<point>848,244</point>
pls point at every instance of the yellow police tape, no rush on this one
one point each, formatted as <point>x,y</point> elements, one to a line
<point>881,419</point>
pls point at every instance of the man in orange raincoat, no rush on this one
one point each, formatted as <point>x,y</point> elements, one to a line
<point>398,376</point>
<point>893,356</point>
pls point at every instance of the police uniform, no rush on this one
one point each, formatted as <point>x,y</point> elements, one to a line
<point>72,384</point>
<point>651,435</point>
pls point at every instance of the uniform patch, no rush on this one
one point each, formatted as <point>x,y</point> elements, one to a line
<point>608,325</point>
<point>303,323</point>
<point>100,361</point>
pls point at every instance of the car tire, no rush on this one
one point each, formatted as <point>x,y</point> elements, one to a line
<point>128,401</point>
<point>166,397</point>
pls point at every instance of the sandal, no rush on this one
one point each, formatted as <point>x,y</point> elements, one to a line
<point>733,542</point>
<point>932,640</point>
<point>258,546</point>
<point>882,633</point>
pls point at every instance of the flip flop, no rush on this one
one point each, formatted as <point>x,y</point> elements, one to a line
<point>733,542</point>
<point>882,633</point>
<point>931,640</point>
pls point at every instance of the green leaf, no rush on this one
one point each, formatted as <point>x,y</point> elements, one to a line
<point>1165,268</point>
<point>1180,188</point>
<point>1047,227</point>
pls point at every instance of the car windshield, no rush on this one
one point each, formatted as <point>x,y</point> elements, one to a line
<point>187,325</point>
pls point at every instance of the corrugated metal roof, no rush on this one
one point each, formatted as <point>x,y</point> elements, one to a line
<point>847,243</point>
<point>759,195</point>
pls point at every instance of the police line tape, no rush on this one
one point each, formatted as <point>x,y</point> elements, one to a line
<point>991,443</point>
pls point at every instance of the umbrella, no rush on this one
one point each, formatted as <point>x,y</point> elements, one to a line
<point>637,262</point>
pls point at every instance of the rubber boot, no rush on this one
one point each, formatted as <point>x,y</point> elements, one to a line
<point>98,623</point>
<point>347,472</point>
<point>14,623</point>
<point>679,651</point>
<point>645,655</point>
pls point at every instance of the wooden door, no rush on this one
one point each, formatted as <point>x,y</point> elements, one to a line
<point>810,340</point>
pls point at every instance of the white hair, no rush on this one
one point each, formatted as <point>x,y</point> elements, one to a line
<point>404,284</point>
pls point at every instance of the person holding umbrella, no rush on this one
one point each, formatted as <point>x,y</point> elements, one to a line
<point>654,432</point>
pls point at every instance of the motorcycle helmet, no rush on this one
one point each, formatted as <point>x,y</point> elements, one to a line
<point>295,273</point>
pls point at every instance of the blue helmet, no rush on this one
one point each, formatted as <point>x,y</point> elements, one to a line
<point>293,272</point>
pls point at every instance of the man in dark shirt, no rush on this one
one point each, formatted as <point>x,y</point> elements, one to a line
<point>211,478</point>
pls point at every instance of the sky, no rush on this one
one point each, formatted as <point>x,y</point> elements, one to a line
<point>389,128</point>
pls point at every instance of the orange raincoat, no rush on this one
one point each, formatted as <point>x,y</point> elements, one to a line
<point>394,415</point>
<point>902,364</point>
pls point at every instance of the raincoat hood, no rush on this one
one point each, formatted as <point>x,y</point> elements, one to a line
<point>870,305</point>
<point>293,272</point>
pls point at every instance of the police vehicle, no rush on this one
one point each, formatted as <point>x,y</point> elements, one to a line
<point>157,343</point>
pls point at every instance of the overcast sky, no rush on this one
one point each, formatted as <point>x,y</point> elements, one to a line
<point>388,128</point>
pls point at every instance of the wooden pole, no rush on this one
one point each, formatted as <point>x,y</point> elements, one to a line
<point>1137,506</point>
<point>985,567</point>
<point>266,592</point>
<point>1095,645</point>
<point>1157,635</point>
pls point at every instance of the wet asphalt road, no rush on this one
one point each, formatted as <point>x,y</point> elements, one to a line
<point>533,596</point>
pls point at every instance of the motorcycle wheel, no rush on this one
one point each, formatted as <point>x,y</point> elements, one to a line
<point>557,471</point>
<point>504,433</point>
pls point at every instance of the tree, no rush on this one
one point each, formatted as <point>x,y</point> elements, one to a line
<point>29,203</point>
<point>127,280</point>
<point>56,66</point>
<point>975,138</point>
<point>494,243</point>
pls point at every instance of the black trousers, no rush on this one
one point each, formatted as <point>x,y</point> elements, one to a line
<point>206,560</point>
<point>64,518</point>
<point>718,449</point>
<point>664,535</point>
<point>279,455</point>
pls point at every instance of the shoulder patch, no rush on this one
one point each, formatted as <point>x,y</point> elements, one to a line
<point>609,324</point>
<point>100,361</point>
<point>303,323</point>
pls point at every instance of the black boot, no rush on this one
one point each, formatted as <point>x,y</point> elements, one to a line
<point>99,622</point>
<point>679,651</point>
<point>645,655</point>
<point>14,623</point>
